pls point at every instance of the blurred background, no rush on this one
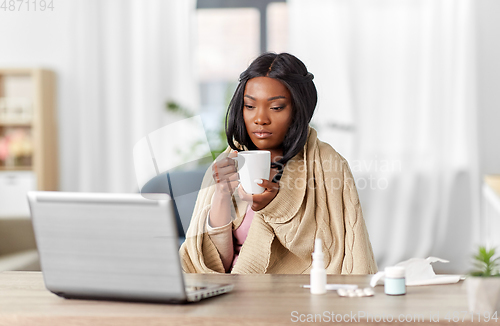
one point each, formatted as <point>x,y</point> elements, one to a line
<point>408,94</point>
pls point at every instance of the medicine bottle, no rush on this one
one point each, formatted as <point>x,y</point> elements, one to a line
<point>395,282</point>
<point>318,272</point>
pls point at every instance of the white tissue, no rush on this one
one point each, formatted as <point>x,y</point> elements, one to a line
<point>419,272</point>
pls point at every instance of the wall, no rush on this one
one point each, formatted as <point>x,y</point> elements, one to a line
<point>488,84</point>
<point>43,39</point>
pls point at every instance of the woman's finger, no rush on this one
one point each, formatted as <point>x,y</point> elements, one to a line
<point>243,194</point>
<point>267,184</point>
<point>227,160</point>
<point>215,173</point>
<point>225,177</point>
<point>227,170</point>
<point>262,200</point>
<point>233,185</point>
<point>221,174</point>
<point>234,177</point>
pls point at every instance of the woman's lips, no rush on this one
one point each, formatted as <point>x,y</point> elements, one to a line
<point>262,134</point>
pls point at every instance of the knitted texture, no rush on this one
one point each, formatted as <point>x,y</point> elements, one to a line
<point>317,199</point>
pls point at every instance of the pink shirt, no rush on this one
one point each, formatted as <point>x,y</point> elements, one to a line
<point>228,241</point>
<point>240,234</point>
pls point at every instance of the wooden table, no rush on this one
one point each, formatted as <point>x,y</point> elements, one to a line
<point>255,300</point>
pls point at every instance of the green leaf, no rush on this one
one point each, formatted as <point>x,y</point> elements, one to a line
<point>484,263</point>
<point>174,107</point>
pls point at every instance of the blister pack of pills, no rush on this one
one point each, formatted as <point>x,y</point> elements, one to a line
<point>366,292</point>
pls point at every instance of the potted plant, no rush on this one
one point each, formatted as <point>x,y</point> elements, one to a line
<point>483,284</point>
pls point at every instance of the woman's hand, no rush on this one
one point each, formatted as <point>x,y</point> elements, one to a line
<point>225,174</point>
<point>259,201</point>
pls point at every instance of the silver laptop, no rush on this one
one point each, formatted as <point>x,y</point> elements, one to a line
<point>111,247</point>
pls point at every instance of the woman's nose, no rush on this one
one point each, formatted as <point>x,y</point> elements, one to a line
<point>261,117</point>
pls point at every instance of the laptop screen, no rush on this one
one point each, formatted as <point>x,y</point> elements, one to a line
<point>119,246</point>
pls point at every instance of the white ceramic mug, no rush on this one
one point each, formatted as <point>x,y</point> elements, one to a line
<point>253,165</point>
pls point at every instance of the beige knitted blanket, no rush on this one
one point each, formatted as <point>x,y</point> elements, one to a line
<point>317,198</point>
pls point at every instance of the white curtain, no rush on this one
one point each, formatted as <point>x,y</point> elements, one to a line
<point>128,58</point>
<point>397,98</point>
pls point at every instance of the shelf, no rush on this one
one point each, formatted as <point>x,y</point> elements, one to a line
<point>17,71</point>
<point>28,119</point>
<point>16,168</point>
<point>15,124</point>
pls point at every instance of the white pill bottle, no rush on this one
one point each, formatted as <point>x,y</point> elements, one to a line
<point>395,280</point>
<point>318,272</point>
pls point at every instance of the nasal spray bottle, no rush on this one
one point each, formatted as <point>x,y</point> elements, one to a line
<point>318,272</point>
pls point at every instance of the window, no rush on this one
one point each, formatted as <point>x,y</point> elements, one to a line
<point>230,34</point>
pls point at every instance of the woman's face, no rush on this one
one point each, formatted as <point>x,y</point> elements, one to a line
<point>267,111</point>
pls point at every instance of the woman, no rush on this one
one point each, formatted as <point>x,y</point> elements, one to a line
<point>310,192</point>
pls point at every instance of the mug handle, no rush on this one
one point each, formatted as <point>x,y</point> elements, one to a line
<point>239,160</point>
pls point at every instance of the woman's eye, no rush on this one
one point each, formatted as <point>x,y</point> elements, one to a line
<point>278,108</point>
<point>248,107</point>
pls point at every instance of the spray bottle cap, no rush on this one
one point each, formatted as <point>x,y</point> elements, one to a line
<point>317,255</point>
<point>318,249</point>
<point>317,246</point>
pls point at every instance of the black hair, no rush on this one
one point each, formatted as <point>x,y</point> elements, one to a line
<point>293,74</point>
